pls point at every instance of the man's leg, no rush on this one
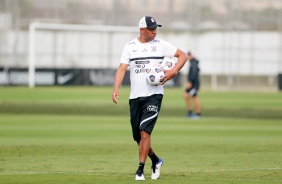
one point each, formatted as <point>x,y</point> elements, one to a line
<point>146,150</point>
<point>197,105</point>
<point>144,146</point>
<point>156,164</point>
<point>188,104</point>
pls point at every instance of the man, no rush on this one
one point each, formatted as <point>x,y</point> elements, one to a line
<point>145,100</point>
<point>192,88</point>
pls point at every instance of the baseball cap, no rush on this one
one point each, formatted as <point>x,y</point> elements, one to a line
<point>148,22</point>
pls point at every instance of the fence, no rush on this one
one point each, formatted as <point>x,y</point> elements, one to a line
<point>231,54</point>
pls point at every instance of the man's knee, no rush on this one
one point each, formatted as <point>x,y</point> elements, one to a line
<point>144,135</point>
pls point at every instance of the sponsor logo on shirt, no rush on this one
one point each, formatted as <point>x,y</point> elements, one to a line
<point>141,66</point>
<point>140,69</point>
<point>142,62</point>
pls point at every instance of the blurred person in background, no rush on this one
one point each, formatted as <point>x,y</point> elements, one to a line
<point>192,87</point>
<point>145,100</point>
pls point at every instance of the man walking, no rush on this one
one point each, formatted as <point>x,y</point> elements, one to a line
<point>145,100</point>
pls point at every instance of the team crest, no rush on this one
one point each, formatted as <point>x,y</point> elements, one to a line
<point>152,78</point>
<point>154,48</point>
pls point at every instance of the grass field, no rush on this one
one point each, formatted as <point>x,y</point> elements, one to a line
<point>77,135</point>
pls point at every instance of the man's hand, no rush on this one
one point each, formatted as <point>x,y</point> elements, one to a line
<point>169,74</point>
<point>115,95</point>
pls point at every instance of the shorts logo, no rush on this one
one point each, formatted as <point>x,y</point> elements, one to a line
<point>152,108</point>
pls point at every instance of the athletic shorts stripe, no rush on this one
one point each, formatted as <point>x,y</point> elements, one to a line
<point>148,119</point>
<point>192,92</point>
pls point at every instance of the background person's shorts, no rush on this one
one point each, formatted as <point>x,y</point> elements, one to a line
<point>192,91</point>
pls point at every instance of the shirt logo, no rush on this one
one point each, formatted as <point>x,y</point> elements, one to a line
<point>144,50</point>
<point>134,50</point>
<point>154,48</point>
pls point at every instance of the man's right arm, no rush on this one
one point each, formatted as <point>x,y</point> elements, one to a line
<point>118,80</point>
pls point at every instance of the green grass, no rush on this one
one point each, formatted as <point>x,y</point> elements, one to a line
<point>97,101</point>
<point>77,135</point>
<point>99,149</point>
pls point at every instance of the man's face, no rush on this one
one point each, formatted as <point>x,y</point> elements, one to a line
<point>150,34</point>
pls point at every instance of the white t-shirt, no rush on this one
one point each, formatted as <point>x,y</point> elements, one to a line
<point>141,56</point>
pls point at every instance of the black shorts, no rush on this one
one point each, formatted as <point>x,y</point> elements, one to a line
<point>192,91</point>
<point>144,113</point>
